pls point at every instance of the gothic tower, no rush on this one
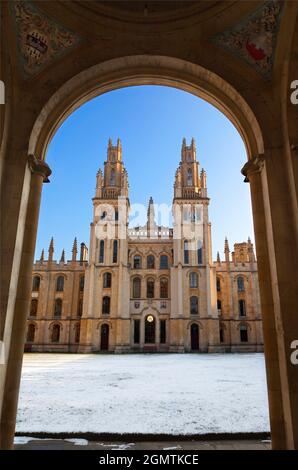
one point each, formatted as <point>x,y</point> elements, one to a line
<point>193,278</point>
<point>106,295</point>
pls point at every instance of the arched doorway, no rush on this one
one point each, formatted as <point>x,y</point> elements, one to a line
<point>194,337</point>
<point>104,337</point>
<point>219,92</point>
<point>150,329</point>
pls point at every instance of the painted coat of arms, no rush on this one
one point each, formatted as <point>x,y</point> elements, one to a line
<point>40,39</point>
<point>254,38</point>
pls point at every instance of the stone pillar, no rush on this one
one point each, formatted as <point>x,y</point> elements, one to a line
<point>15,322</point>
<point>255,172</point>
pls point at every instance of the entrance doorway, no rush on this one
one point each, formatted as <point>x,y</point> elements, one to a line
<point>194,337</point>
<point>104,337</point>
<point>149,329</point>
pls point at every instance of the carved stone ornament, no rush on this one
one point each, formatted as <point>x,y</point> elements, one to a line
<point>39,167</point>
<point>40,39</point>
<point>254,165</point>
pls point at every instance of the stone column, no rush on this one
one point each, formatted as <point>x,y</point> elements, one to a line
<point>15,322</point>
<point>254,171</point>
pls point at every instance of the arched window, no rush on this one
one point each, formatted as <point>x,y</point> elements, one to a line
<point>82,283</point>
<point>150,288</point>
<point>80,307</point>
<point>36,283</point>
<point>193,280</point>
<point>200,253</point>
<point>218,287</point>
<point>164,288</point>
<point>31,333</point>
<point>243,334</point>
<point>115,251</point>
<point>150,262</point>
<point>137,262</point>
<point>194,305</point>
<point>240,284</point>
<point>33,307</point>
<point>107,280</point>
<point>55,337</point>
<point>186,252</point>
<point>219,306</point>
<point>136,288</point>
<point>58,308</point>
<point>77,333</point>
<point>101,251</point>
<point>163,262</point>
<point>60,284</point>
<point>112,178</point>
<point>189,177</point>
<point>242,308</point>
<point>106,301</point>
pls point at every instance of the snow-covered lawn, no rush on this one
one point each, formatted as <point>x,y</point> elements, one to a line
<point>158,393</point>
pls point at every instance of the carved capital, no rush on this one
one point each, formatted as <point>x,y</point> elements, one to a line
<point>255,165</point>
<point>39,167</point>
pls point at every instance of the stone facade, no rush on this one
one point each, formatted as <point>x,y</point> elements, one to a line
<point>150,288</point>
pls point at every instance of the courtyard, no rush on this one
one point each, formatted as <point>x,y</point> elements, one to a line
<point>177,394</point>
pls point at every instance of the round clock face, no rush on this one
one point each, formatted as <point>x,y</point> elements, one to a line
<point>150,318</point>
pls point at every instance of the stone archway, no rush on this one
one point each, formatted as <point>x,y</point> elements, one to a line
<point>137,70</point>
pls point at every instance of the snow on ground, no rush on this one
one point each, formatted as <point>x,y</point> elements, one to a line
<point>143,393</point>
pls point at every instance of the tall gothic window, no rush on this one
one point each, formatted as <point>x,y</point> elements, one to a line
<point>137,262</point>
<point>219,306</point>
<point>164,288</point>
<point>36,284</point>
<point>115,251</point>
<point>55,337</point>
<point>33,307</point>
<point>240,284</point>
<point>186,252</point>
<point>200,253</point>
<point>101,251</point>
<point>31,333</point>
<point>218,287</point>
<point>150,288</point>
<point>150,262</point>
<point>221,334</point>
<point>193,280</point>
<point>164,262</point>
<point>112,178</point>
<point>82,282</point>
<point>80,307</point>
<point>242,308</point>
<point>58,308</point>
<point>60,284</point>
<point>107,280</point>
<point>106,301</point>
<point>136,288</point>
<point>189,177</point>
<point>194,305</point>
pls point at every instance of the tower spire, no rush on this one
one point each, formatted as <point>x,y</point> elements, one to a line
<point>74,250</point>
<point>51,250</point>
<point>62,259</point>
<point>227,251</point>
<point>41,260</point>
<point>150,214</point>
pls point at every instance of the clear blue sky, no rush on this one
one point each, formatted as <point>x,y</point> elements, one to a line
<point>151,122</point>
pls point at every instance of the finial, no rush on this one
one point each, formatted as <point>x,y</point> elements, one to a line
<point>118,142</point>
<point>74,250</point>
<point>184,142</point>
<point>226,244</point>
<point>42,256</point>
<point>51,250</point>
<point>193,142</point>
<point>110,142</point>
<point>62,259</point>
<point>218,257</point>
